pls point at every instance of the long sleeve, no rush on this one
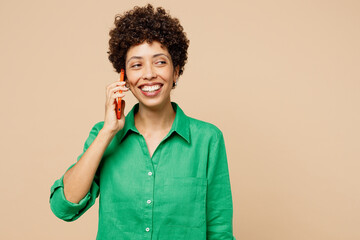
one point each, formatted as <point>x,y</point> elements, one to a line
<point>60,206</point>
<point>219,209</point>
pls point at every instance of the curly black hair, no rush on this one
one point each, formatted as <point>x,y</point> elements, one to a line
<point>145,24</point>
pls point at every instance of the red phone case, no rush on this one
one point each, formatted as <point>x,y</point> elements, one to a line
<point>118,104</point>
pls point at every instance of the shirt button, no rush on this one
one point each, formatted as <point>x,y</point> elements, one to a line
<point>148,201</point>
<point>149,173</point>
<point>147,229</point>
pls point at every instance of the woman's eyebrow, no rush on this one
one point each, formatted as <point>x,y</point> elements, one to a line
<point>154,56</point>
<point>161,54</point>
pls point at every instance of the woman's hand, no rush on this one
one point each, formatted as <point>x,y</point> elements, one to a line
<point>111,123</point>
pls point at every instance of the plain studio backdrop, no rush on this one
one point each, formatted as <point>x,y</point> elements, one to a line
<point>281,79</point>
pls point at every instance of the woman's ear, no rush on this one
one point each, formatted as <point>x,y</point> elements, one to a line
<point>176,72</point>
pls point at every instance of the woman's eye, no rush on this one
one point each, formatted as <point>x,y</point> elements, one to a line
<point>161,62</point>
<point>136,65</point>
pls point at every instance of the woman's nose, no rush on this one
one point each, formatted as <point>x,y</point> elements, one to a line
<point>149,72</point>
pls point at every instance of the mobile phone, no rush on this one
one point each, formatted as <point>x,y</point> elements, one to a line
<point>118,105</point>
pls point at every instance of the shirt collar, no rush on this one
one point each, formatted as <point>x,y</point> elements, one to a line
<point>181,124</point>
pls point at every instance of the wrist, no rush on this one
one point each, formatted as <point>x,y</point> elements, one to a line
<point>108,133</point>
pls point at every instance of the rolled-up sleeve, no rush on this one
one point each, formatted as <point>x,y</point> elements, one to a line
<point>219,206</point>
<point>60,206</point>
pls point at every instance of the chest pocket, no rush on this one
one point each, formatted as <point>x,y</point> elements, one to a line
<point>186,201</point>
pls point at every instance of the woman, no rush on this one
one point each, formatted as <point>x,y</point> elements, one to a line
<point>162,174</point>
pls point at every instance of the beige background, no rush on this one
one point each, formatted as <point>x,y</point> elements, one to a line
<point>279,78</point>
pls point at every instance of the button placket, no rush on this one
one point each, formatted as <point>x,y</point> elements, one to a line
<point>148,190</point>
<point>149,193</point>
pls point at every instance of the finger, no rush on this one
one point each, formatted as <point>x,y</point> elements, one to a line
<point>118,95</point>
<point>114,96</point>
<point>119,88</point>
<point>114,84</point>
<point>115,89</point>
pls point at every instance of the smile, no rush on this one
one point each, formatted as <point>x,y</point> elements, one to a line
<point>151,90</point>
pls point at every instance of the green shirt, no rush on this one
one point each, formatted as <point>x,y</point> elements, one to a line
<point>181,192</point>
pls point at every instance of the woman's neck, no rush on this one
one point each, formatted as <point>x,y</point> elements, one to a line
<point>154,120</point>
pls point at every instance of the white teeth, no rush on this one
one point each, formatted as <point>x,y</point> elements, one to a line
<point>150,88</point>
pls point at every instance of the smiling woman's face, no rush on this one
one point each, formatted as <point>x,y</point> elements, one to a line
<point>150,74</point>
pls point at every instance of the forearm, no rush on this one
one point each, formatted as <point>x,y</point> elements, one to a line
<point>78,179</point>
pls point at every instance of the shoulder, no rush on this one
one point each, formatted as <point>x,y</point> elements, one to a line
<point>204,129</point>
